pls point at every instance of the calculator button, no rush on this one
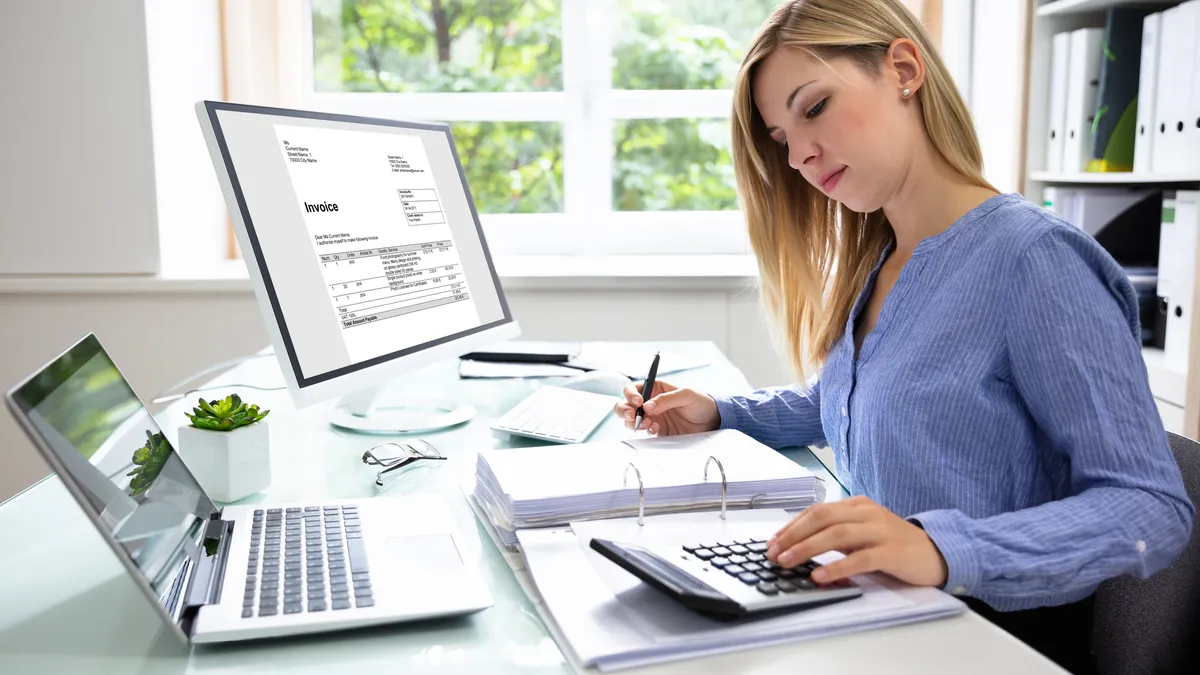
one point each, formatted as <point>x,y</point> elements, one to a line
<point>704,554</point>
<point>720,562</point>
<point>734,570</point>
<point>757,547</point>
<point>739,549</point>
<point>767,588</point>
<point>785,586</point>
<point>722,551</point>
<point>749,578</point>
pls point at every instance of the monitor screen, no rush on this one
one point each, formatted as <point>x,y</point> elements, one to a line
<point>364,234</point>
<point>124,470</point>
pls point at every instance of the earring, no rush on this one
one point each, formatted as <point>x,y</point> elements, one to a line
<point>906,92</point>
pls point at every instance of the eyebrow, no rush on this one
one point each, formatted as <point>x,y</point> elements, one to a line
<point>791,99</point>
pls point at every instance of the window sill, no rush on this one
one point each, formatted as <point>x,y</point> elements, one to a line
<point>537,273</point>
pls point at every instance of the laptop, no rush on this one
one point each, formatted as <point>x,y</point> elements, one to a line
<point>243,571</point>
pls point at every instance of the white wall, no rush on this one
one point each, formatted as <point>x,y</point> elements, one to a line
<point>997,97</point>
<point>183,41</point>
<point>76,163</point>
<point>159,338</point>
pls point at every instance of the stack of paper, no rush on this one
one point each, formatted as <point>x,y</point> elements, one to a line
<point>611,620</point>
<point>543,486</point>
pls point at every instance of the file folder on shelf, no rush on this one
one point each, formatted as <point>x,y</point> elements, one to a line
<point>1180,234</point>
<point>545,486</point>
<point>1169,90</point>
<point>1059,54</point>
<point>1147,98</point>
<point>1083,83</point>
<point>1115,125</point>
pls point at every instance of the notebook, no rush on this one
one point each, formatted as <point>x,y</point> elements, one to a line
<point>545,486</point>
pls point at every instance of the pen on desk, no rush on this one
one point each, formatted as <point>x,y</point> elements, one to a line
<point>647,391</point>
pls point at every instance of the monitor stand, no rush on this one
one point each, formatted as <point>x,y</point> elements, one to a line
<point>362,412</point>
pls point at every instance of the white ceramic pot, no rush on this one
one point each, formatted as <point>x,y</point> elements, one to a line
<point>230,465</point>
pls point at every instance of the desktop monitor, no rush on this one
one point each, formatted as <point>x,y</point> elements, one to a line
<point>365,250</point>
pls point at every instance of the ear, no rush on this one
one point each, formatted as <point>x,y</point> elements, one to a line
<point>907,65</point>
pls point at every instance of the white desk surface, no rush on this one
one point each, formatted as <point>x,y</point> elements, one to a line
<point>66,605</point>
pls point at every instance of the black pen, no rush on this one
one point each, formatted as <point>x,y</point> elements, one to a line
<point>647,392</point>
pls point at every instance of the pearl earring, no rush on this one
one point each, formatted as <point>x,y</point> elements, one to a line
<point>906,92</point>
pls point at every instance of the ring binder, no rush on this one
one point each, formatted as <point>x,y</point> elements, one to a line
<point>720,466</point>
<point>641,491</point>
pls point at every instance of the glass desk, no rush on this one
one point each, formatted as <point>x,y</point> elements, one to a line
<point>66,605</point>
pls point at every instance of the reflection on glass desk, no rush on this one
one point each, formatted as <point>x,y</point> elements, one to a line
<point>66,604</point>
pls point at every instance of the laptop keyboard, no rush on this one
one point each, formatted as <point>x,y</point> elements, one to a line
<point>309,559</point>
<point>746,561</point>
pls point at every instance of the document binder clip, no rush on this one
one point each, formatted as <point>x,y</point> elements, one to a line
<point>712,459</point>
<point>641,491</point>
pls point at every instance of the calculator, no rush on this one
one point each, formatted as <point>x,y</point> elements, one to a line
<point>726,579</point>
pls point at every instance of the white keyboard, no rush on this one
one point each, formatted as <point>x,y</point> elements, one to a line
<point>557,415</point>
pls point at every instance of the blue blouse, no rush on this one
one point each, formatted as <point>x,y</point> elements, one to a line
<point>1001,401</point>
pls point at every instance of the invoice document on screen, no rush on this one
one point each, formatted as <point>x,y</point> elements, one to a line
<point>379,238</point>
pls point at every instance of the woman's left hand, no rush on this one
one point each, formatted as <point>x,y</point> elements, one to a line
<point>871,537</point>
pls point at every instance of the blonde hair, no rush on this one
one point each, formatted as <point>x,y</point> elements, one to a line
<point>814,255</point>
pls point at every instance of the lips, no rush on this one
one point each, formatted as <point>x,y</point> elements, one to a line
<point>829,180</point>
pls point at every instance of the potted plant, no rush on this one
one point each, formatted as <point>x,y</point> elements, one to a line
<point>227,448</point>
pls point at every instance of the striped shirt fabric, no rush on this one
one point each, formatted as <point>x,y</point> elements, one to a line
<point>1002,403</point>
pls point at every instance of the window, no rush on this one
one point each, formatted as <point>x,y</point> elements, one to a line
<point>597,126</point>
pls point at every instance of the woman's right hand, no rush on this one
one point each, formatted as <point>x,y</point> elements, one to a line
<point>670,411</point>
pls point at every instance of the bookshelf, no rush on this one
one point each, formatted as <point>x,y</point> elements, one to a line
<point>1176,393</point>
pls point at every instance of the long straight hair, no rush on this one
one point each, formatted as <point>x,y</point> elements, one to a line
<point>814,254</point>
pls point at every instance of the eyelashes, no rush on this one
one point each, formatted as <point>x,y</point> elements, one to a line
<point>816,109</point>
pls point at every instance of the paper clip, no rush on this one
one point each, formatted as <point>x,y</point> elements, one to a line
<point>712,459</point>
<point>641,491</point>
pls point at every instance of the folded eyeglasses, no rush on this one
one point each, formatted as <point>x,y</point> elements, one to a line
<point>408,454</point>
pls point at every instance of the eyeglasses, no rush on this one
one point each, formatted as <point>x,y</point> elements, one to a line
<point>408,455</point>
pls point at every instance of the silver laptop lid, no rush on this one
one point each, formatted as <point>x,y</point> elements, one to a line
<point>94,431</point>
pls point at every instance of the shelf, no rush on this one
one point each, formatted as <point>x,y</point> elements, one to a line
<point>1067,7</point>
<point>1166,384</point>
<point>1122,178</point>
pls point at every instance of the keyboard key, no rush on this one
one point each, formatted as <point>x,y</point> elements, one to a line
<point>258,512</point>
<point>368,601</point>
<point>274,511</point>
<point>752,567</point>
<point>315,606</point>
<point>734,569</point>
<point>359,585</point>
<point>756,557</point>
<point>804,584</point>
<point>757,547</point>
<point>720,562</point>
<point>293,608</point>
<point>358,555</point>
<point>247,612</point>
<point>785,586</point>
<point>341,604</point>
<point>767,588</point>
<point>268,611</point>
<point>296,509</point>
<point>767,576</point>
<point>704,554</point>
<point>360,576</point>
<point>340,595</point>
<point>692,548</point>
<point>722,551</point>
<point>737,559</point>
<point>312,508</point>
<point>749,578</point>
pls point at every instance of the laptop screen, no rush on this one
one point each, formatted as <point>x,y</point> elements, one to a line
<point>108,447</point>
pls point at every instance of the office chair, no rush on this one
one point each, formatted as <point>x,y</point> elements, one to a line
<point>1152,626</point>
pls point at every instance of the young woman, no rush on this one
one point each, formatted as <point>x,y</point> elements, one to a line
<point>981,380</point>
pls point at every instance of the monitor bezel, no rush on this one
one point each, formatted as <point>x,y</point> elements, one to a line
<point>364,375</point>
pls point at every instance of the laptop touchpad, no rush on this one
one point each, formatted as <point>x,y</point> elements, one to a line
<point>426,553</point>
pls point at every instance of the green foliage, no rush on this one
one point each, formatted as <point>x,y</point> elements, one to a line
<point>516,45</point>
<point>150,459</point>
<point>224,414</point>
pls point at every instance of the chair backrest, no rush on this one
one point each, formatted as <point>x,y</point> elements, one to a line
<point>1152,626</point>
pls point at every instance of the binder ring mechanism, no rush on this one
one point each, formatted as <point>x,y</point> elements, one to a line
<point>720,466</point>
<point>641,491</point>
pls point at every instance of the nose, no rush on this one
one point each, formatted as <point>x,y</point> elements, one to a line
<point>800,152</point>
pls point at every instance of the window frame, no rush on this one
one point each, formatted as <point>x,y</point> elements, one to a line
<point>587,109</point>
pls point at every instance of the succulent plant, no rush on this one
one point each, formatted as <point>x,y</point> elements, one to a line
<point>150,459</point>
<point>225,414</point>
